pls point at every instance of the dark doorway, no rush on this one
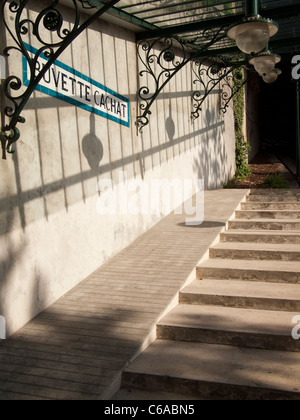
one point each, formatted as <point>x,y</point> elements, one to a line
<point>277,114</point>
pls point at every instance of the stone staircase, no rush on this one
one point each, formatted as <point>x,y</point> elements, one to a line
<point>230,336</point>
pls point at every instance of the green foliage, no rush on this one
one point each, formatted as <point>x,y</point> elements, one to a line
<point>242,147</point>
<point>229,184</point>
<point>276,181</point>
<point>238,100</point>
<point>241,156</point>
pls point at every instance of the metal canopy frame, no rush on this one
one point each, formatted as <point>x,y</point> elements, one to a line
<point>185,18</point>
<point>195,29</point>
<point>199,29</point>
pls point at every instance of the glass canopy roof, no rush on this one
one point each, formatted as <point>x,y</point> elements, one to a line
<point>190,20</point>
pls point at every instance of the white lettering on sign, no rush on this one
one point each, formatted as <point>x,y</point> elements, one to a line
<point>63,82</point>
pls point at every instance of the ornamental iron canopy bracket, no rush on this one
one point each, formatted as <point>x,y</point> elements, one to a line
<point>220,72</point>
<point>51,19</point>
<point>163,58</point>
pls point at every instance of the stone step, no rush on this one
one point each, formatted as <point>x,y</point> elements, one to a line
<point>273,198</point>
<point>270,237</point>
<point>245,251</point>
<point>247,328</point>
<point>270,206</point>
<point>216,371</point>
<point>243,294</point>
<point>276,192</point>
<point>129,394</point>
<point>267,214</point>
<point>274,271</point>
<point>265,224</point>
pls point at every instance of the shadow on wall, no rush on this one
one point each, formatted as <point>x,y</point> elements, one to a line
<point>170,125</point>
<point>212,159</point>
<point>9,256</point>
<point>94,152</point>
<point>14,251</point>
<point>92,147</point>
<point>53,171</point>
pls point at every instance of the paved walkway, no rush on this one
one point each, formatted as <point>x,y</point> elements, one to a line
<point>290,164</point>
<point>287,168</point>
<point>77,348</point>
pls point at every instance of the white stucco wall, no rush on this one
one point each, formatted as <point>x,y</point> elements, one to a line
<point>51,235</point>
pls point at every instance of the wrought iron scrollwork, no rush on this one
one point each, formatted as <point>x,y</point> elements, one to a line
<point>161,61</point>
<point>208,76</point>
<point>63,33</point>
<point>163,58</point>
<point>229,89</point>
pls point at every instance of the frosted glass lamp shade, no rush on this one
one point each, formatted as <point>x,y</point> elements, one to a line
<point>265,62</point>
<point>272,76</point>
<point>252,35</point>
